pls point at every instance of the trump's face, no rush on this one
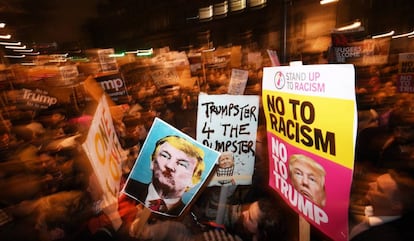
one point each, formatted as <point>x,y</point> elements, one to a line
<point>308,182</point>
<point>226,160</point>
<point>172,171</point>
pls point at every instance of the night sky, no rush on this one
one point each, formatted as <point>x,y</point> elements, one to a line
<point>49,20</point>
<point>66,19</point>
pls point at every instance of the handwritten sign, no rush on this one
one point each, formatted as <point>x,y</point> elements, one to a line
<point>228,124</point>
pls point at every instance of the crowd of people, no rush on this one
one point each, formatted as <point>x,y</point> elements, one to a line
<point>49,191</point>
<point>382,190</point>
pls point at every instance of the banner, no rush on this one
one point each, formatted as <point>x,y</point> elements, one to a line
<point>352,49</point>
<point>228,124</point>
<point>311,120</point>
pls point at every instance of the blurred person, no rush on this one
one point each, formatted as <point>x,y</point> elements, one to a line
<point>261,220</point>
<point>388,208</point>
<point>111,215</point>
<point>22,186</point>
<point>374,84</point>
<point>176,166</point>
<point>29,181</point>
<point>308,178</point>
<point>52,217</point>
<point>38,171</point>
<point>135,135</point>
<point>399,147</point>
<point>384,101</point>
<point>169,116</point>
<point>367,119</point>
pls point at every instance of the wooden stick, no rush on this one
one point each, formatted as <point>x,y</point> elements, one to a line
<point>304,229</point>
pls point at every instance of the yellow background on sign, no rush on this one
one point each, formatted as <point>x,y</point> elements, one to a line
<point>331,115</point>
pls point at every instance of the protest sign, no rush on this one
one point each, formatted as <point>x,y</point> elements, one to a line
<point>170,166</point>
<point>114,85</point>
<point>104,151</point>
<point>311,128</point>
<point>228,124</point>
<point>238,81</point>
<point>273,57</point>
<point>405,81</point>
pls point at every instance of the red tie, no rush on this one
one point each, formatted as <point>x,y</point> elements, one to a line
<point>157,205</point>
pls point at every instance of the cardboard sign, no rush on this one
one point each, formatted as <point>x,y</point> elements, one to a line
<point>104,151</point>
<point>311,120</point>
<point>228,124</point>
<point>114,85</point>
<point>405,82</point>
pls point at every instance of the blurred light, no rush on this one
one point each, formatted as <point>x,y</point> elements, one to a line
<point>209,50</point>
<point>145,52</point>
<point>10,43</point>
<point>384,34</point>
<point>2,25</point>
<point>57,56</point>
<point>220,9</point>
<point>15,56</point>
<point>23,50</point>
<point>403,35</point>
<point>237,5</point>
<point>15,47</point>
<point>28,63</point>
<point>205,13</point>
<point>131,52</point>
<point>34,53</point>
<point>7,36</point>
<point>192,18</point>
<point>57,60</point>
<point>352,26</point>
<point>257,3</point>
<point>79,59</point>
<point>322,2</point>
<point>117,55</point>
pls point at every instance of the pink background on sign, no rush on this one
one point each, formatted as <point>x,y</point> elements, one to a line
<point>338,184</point>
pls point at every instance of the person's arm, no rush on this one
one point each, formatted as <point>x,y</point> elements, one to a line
<point>159,231</point>
<point>110,208</point>
<point>107,232</point>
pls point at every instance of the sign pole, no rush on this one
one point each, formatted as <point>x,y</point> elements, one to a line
<point>304,229</point>
<point>222,204</point>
